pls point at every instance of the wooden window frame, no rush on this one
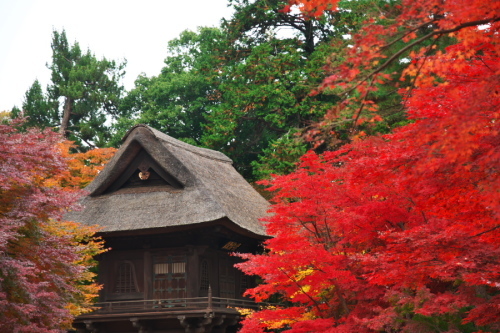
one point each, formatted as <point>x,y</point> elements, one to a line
<point>134,291</point>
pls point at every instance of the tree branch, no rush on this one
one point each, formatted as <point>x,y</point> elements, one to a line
<point>406,34</point>
<point>316,305</point>
<point>420,40</point>
<point>485,232</point>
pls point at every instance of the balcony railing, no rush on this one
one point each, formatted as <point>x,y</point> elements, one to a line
<point>207,304</point>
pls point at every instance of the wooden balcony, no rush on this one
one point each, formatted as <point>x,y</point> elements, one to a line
<point>184,305</point>
<point>200,314</point>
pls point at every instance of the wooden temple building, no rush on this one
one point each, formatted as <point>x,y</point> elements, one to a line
<point>171,214</point>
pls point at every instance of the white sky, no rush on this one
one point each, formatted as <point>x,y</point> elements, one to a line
<point>116,29</point>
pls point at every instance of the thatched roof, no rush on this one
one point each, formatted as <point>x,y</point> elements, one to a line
<point>191,186</point>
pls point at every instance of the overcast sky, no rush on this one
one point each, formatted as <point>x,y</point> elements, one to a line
<point>137,31</point>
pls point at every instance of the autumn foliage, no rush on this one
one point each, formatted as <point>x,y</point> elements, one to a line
<point>312,8</point>
<point>82,166</point>
<point>45,276</point>
<point>401,232</point>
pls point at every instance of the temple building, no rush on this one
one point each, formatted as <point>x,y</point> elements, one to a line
<point>171,214</point>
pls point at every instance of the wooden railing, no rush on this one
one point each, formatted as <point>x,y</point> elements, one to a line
<point>169,305</point>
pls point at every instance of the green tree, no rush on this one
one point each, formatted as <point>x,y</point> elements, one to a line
<point>37,108</point>
<point>85,92</point>
<point>263,97</point>
<point>249,88</point>
<point>234,88</point>
<point>260,20</point>
<point>277,58</point>
<point>178,99</point>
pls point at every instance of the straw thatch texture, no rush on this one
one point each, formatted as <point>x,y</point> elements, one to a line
<point>211,189</point>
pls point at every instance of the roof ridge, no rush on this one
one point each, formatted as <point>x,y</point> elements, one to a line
<point>204,152</point>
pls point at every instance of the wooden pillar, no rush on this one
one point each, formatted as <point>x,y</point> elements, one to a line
<point>103,276</point>
<point>148,275</point>
<point>193,272</point>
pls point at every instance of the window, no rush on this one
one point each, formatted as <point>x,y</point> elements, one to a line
<point>174,268</point>
<point>125,279</point>
<point>204,278</point>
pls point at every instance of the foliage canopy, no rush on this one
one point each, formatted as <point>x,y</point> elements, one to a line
<point>402,230</point>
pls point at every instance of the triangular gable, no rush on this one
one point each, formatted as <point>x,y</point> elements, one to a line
<point>141,152</point>
<point>144,173</point>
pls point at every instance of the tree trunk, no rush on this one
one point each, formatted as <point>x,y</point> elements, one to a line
<point>309,36</point>
<point>68,106</point>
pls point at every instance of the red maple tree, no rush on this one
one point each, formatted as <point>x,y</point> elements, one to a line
<point>44,261</point>
<point>399,232</point>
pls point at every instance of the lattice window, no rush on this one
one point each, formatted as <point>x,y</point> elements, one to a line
<point>125,279</point>
<point>169,279</point>
<point>204,276</point>
<point>178,267</point>
<point>161,269</point>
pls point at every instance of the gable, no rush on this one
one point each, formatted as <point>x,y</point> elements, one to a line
<point>143,173</point>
